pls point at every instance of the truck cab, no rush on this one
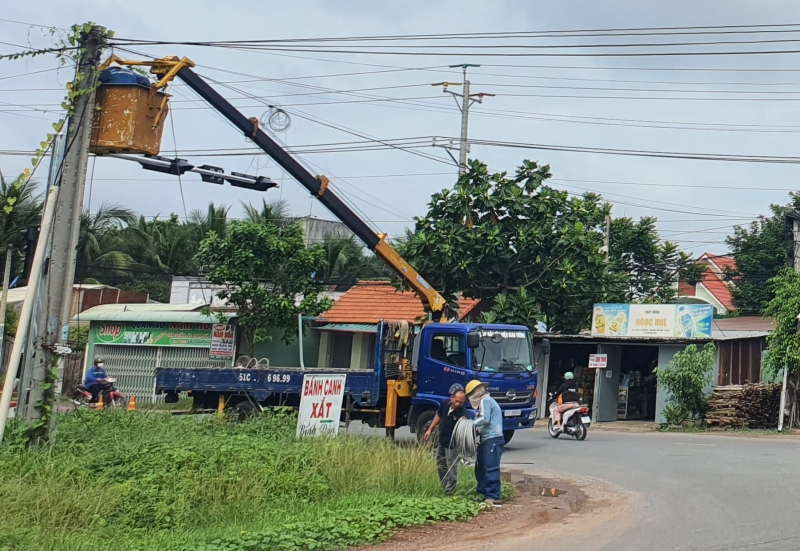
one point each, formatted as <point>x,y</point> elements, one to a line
<point>502,356</point>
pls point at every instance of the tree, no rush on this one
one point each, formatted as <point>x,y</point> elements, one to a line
<point>493,235</point>
<point>26,211</point>
<point>213,219</point>
<point>99,246</point>
<point>346,261</point>
<point>646,267</point>
<point>784,341</point>
<point>761,251</point>
<point>264,268</point>
<point>686,378</point>
<point>272,212</point>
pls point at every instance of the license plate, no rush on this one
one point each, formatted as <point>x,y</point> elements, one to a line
<point>512,413</point>
<point>586,419</point>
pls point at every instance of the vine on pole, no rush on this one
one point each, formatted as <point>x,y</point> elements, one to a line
<point>68,47</point>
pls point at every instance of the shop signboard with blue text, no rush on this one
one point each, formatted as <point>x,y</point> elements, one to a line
<point>676,321</point>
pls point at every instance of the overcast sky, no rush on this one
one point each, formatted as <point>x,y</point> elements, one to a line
<point>695,201</point>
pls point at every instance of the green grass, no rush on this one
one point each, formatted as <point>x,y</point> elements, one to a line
<point>145,481</point>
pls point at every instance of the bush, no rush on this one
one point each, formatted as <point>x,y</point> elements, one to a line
<point>155,481</point>
<point>686,377</point>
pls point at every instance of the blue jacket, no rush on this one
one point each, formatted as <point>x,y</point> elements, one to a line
<point>93,375</point>
<point>490,424</point>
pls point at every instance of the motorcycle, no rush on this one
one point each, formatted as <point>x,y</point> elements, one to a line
<point>111,396</point>
<point>574,422</point>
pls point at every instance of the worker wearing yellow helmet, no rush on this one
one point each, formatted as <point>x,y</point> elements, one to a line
<point>489,424</point>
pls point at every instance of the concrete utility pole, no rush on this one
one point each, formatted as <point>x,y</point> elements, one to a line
<point>66,226</point>
<point>467,100</point>
<point>607,237</point>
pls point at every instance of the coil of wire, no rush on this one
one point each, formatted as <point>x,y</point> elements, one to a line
<point>464,439</point>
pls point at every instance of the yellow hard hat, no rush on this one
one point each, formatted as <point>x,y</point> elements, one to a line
<point>472,385</point>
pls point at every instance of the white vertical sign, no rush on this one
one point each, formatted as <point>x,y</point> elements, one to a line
<point>320,405</point>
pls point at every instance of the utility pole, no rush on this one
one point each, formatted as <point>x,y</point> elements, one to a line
<point>467,100</point>
<point>66,225</point>
<point>796,243</point>
<point>607,237</point>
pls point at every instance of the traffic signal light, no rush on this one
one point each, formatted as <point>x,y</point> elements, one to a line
<point>260,183</point>
<point>30,237</point>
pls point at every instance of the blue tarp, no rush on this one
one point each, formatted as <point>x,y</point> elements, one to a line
<point>121,75</point>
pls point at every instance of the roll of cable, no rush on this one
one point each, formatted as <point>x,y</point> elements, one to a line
<point>464,439</point>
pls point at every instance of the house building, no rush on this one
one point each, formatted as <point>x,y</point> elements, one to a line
<point>712,287</point>
<point>347,338</point>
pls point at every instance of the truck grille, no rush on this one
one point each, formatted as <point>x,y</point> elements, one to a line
<point>508,398</point>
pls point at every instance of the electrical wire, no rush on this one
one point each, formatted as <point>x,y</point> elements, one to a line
<point>464,440</point>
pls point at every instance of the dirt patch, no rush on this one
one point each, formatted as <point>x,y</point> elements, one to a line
<point>539,501</point>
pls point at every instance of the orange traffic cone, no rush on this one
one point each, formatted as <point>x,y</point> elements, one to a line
<point>132,404</point>
<point>100,402</point>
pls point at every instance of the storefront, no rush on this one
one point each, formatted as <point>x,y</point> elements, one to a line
<point>632,340</point>
<point>135,339</point>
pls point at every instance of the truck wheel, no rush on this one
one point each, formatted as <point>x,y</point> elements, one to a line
<point>423,422</point>
<point>508,435</point>
<point>244,410</point>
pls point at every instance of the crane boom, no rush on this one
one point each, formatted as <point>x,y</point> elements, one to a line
<point>318,186</point>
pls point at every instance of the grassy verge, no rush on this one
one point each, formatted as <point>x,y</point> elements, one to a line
<point>140,481</point>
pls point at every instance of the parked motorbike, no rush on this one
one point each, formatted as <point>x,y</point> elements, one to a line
<point>111,396</point>
<point>574,422</point>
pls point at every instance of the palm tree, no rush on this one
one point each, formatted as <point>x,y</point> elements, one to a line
<point>24,210</point>
<point>272,212</point>
<point>99,243</point>
<point>214,219</point>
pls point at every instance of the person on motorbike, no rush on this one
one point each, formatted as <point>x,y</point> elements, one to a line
<point>96,380</point>
<point>567,396</point>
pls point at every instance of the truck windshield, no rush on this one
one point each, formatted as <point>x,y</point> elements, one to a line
<point>504,352</point>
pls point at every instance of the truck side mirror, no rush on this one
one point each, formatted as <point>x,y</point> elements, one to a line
<point>473,339</point>
<point>545,347</point>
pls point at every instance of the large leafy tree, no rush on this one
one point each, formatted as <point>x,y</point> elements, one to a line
<point>645,267</point>
<point>514,240</point>
<point>265,268</point>
<point>761,250</point>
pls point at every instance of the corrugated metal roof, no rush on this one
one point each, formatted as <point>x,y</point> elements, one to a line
<point>349,327</point>
<point>172,313</point>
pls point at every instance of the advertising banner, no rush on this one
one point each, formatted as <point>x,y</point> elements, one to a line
<point>677,321</point>
<point>320,405</point>
<point>222,341</point>
<point>153,334</point>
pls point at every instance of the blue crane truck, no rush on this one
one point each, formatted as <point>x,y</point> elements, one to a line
<point>409,380</point>
<point>406,384</point>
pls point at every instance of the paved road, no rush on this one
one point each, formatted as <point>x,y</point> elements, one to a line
<point>691,492</point>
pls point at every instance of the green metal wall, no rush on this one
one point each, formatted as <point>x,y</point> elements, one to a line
<point>281,355</point>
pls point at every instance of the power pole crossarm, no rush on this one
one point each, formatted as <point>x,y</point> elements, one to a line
<point>467,99</point>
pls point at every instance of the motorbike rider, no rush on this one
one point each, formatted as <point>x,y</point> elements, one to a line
<point>96,380</point>
<point>567,396</point>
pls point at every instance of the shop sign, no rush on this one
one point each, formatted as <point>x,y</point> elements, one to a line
<point>153,334</point>
<point>677,321</point>
<point>222,340</point>
<point>598,361</point>
<point>320,405</point>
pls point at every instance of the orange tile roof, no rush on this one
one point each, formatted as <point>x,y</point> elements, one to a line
<point>719,289</point>
<point>722,262</point>
<point>372,301</point>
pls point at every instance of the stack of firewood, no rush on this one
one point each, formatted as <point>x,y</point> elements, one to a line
<point>753,406</point>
